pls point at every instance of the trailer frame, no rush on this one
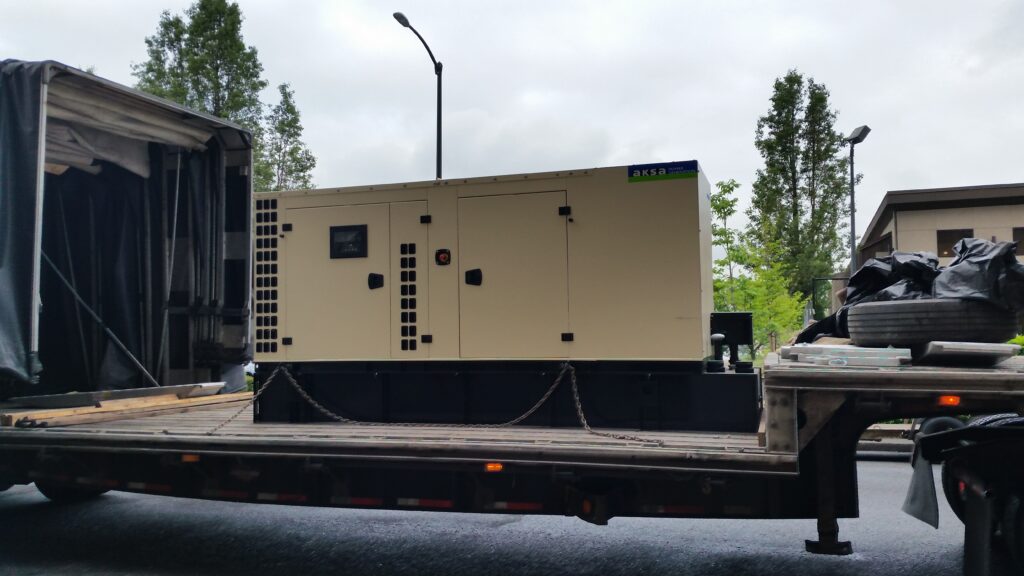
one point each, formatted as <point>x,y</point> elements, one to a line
<point>802,465</point>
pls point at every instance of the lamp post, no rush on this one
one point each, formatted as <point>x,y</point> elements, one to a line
<point>856,137</point>
<point>437,71</point>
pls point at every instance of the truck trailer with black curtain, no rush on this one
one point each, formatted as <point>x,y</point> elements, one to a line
<point>125,237</point>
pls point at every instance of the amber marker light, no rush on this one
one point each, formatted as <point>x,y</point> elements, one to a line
<point>494,467</point>
<point>949,400</point>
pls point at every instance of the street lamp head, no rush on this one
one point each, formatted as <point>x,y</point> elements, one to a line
<point>858,135</point>
<point>437,72</point>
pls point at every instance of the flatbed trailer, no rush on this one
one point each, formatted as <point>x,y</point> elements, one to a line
<point>801,464</point>
<point>375,299</point>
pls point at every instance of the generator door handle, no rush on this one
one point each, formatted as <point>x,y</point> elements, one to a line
<point>474,277</point>
<point>375,281</point>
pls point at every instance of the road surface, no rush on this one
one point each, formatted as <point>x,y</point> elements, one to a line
<point>131,534</point>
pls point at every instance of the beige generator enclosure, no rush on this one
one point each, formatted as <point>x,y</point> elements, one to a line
<point>607,263</point>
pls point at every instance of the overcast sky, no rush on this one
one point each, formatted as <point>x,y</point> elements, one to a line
<point>549,85</point>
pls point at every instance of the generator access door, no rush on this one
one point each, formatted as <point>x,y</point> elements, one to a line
<point>513,263</point>
<point>338,295</point>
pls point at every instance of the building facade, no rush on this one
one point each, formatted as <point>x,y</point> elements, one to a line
<point>933,220</point>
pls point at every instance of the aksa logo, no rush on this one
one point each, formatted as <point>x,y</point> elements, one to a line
<point>649,172</point>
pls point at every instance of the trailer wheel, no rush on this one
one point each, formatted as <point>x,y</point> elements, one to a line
<point>1013,529</point>
<point>954,494</point>
<point>950,485</point>
<point>68,493</point>
<point>910,322</point>
<point>939,424</point>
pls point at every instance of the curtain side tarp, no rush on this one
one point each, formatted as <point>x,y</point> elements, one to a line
<point>20,85</point>
<point>94,233</point>
<point>106,227</point>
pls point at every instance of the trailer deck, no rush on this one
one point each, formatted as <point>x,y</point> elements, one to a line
<point>191,432</point>
<point>799,401</point>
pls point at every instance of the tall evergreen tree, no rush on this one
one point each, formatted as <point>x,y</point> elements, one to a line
<point>201,60</point>
<point>798,208</point>
<point>291,161</point>
<point>775,205</point>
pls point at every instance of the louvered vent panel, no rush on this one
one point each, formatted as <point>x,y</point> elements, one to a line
<point>407,286</point>
<point>266,276</point>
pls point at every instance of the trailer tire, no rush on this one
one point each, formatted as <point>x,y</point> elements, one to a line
<point>912,322</point>
<point>68,493</point>
<point>939,424</point>
<point>990,419</point>
<point>950,485</point>
<point>1013,529</point>
<point>951,488</point>
<point>1011,421</point>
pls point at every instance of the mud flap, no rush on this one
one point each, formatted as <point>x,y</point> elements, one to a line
<point>921,502</point>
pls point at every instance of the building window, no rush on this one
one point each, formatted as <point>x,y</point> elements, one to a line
<point>1018,237</point>
<point>946,239</point>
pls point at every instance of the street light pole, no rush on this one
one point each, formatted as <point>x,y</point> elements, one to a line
<point>856,137</point>
<point>853,218</point>
<point>437,71</point>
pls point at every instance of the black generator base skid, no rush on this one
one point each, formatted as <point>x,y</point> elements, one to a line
<point>640,395</point>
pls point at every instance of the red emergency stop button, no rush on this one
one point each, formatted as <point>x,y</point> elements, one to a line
<point>443,257</point>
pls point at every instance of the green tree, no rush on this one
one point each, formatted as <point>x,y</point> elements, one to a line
<point>765,292</point>
<point>289,158</point>
<point>723,206</point>
<point>750,276</point>
<point>262,170</point>
<point>201,60</point>
<point>798,205</point>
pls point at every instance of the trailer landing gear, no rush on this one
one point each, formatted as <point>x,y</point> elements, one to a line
<point>828,542</point>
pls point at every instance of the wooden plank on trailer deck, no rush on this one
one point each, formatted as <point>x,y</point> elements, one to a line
<point>11,415</point>
<point>130,414</point>
<point>115,409</point>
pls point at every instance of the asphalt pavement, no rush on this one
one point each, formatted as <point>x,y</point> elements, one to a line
<point>123,533</point>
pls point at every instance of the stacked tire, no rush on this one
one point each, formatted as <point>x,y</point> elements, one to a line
<point>915,322</point>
